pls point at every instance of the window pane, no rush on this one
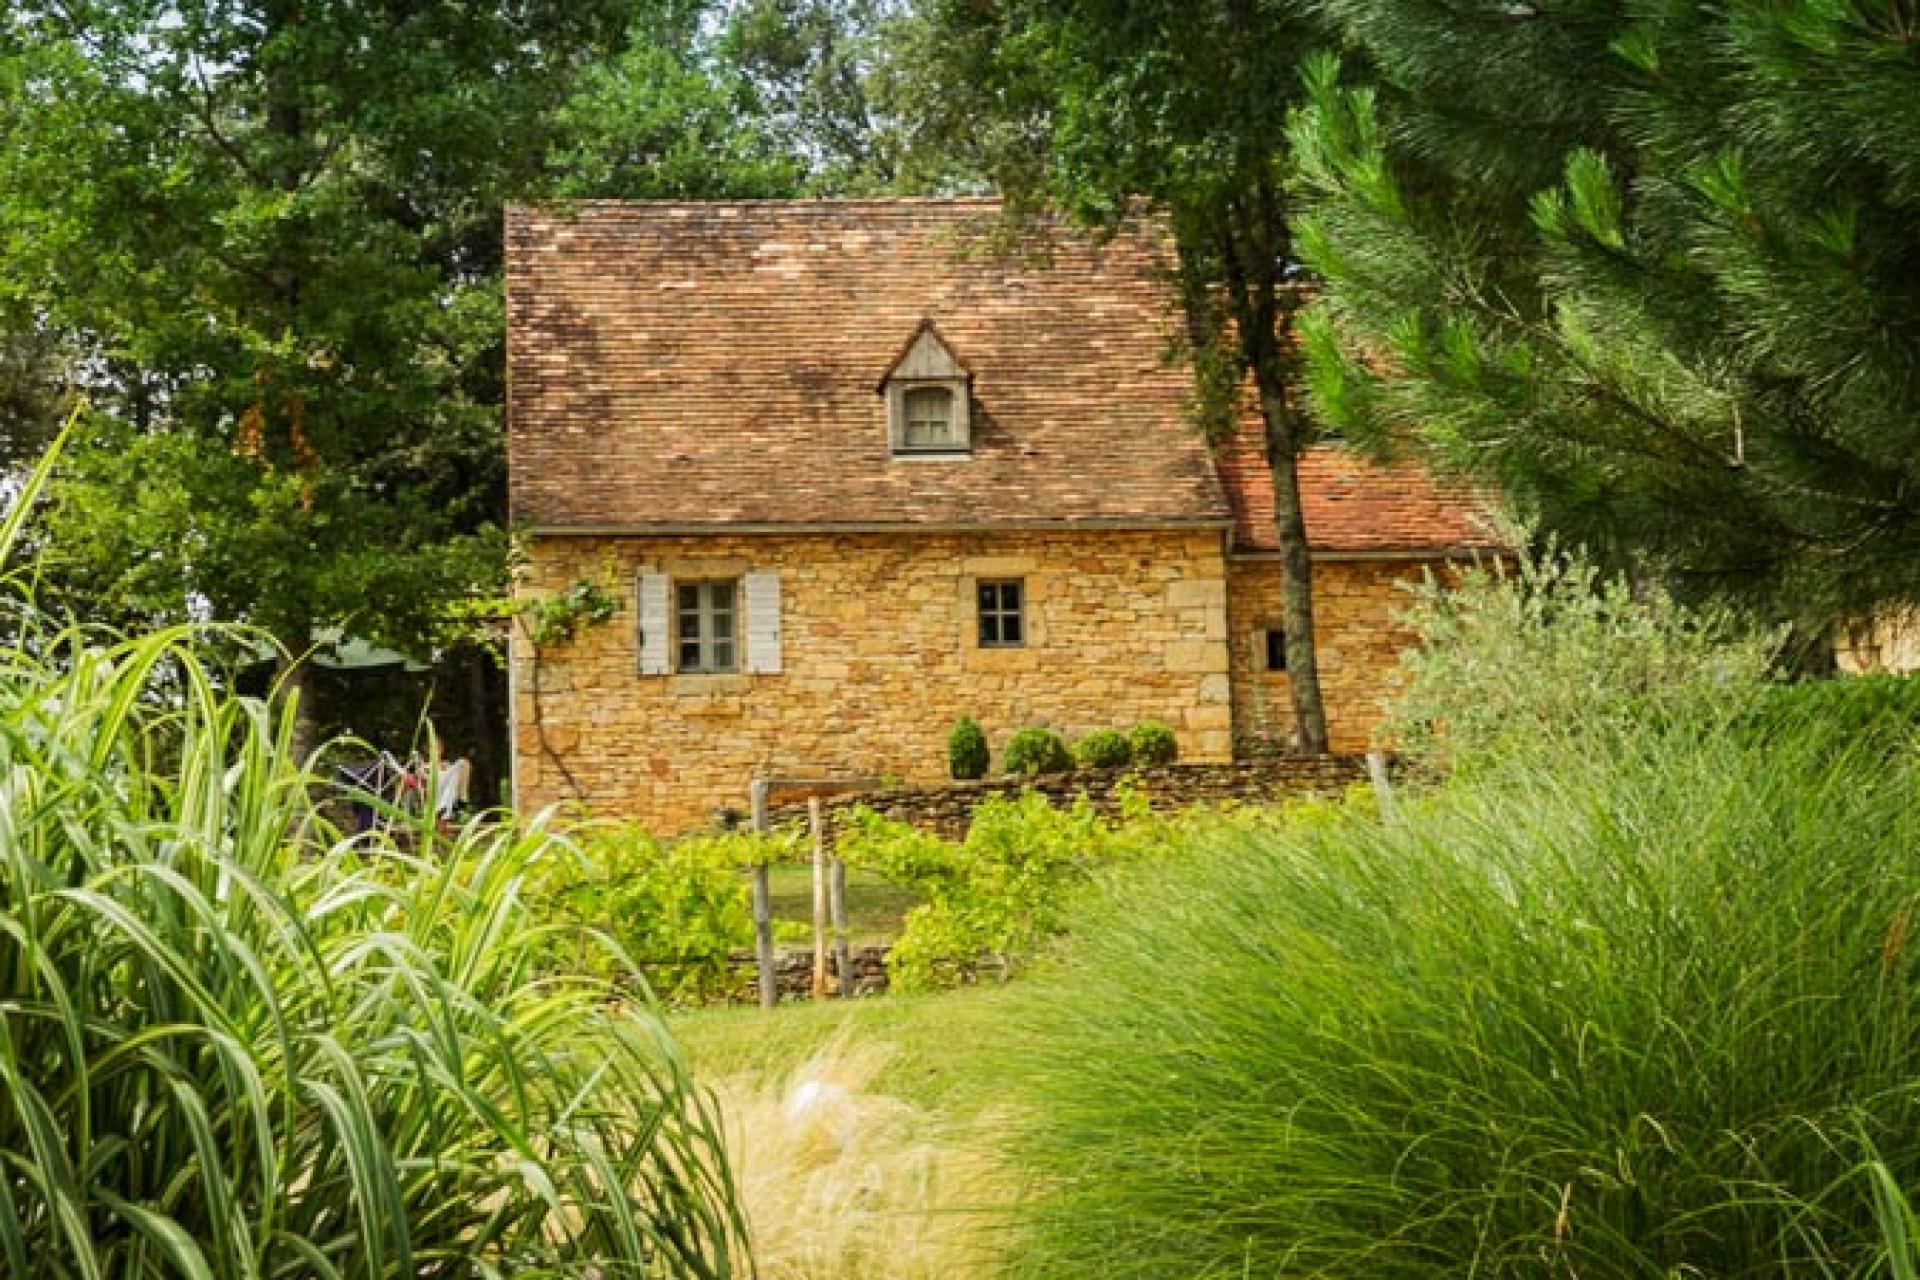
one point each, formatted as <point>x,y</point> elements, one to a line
<point>722,655</point>
<point>1001,622</point>
<point>689,655</point>
<point>929,418</point>
<point>689,594</point>
<point>722,595</point>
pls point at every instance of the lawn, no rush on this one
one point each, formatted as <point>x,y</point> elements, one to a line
<point>921,1036</point>
<point>875,907</point>
<point>863,1134</point>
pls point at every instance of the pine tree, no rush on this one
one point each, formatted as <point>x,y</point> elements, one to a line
<point>1653,266</point>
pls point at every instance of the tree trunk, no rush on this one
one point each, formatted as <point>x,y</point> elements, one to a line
<point>1253,242</point>
<point>297,691</point>
<point>1296,574</point>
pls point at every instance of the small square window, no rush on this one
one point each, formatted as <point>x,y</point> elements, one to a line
<point>929,421</point>
<point>1273,643</point>
<point>1003,623</point>
<point>705,627</point>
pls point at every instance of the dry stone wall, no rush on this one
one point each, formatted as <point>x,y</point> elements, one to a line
<point>948,810</point>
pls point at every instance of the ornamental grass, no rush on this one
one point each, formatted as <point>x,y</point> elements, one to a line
<point>1642,1003</point>
<point>236,1043</point>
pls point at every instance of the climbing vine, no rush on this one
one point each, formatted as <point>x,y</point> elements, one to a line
<point>558,618</point>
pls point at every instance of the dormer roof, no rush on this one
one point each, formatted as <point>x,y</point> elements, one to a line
<point>926,357</point>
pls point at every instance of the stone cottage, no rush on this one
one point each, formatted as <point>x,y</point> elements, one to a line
<point>851,469</point>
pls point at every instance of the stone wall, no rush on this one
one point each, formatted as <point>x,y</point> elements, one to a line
<point>879,656</point>
<point>947,810</point>
<point>1356,603</point>
<point>793,974</point>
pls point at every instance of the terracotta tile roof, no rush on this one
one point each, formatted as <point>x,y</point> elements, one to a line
<point>715,364</point>
<point>1353,505</point>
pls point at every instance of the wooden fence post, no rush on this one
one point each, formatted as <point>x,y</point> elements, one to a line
<point>818,825</point>
<point>842,944</point>
<point>1382,787</point>
<point>763,904</point>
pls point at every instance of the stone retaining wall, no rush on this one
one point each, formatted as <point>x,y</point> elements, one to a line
<point>948,810</point>
<point>793,974</point>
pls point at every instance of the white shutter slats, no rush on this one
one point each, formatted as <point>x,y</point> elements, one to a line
<point>650,592</point>
<point>763,622</point>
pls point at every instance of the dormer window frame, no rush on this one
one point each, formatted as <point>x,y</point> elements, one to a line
<point>960,421</point>
<point>928,363</point>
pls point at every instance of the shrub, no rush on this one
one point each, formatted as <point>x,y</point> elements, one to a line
<point>1103,749</point>
<point>967,754</point>
<point>1153,743</point>
<point>1034,751</point>
<point>673,911</point>
<point>1511,659</point>
<point>1642,1012</point>
<point>998,897</point>
<point>238,1043</point>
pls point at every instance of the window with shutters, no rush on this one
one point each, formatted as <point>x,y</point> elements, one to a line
<point>706,627</point>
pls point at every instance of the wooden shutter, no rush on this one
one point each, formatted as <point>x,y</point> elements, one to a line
<point>763,623</point>
<point>655,626</point>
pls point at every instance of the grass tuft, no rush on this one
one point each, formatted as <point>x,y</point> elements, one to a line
<point>1651,1011</point>
<point>236,1043</point>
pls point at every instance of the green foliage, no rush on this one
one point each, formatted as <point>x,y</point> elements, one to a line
<point>558,618</point>
<point>672,116</point>
<point>995,899</point>
<point>1511,659</point>
<point>673,911</point>
<point>967,754</point>
<point>1637,1006</point>
<point>1103,749</point>
<point>1881,709</point>
<point>274,234</point>
<point>239,1043</point>
<point>1035,750</point>
<point>1648,267</point>
<point>1153,743</point>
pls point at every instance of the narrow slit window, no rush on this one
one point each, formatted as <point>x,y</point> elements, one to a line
<point>1003,623</point>
<point>1275,643</point>
<point>706,627</point>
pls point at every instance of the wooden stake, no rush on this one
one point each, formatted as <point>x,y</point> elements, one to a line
<point>842,945</point>
<point>1382,787</point>
<point>763,905</point>
<point>818,824</point>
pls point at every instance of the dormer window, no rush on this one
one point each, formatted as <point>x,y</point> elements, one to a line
<point>928,398</point>
<point>930,424</point>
